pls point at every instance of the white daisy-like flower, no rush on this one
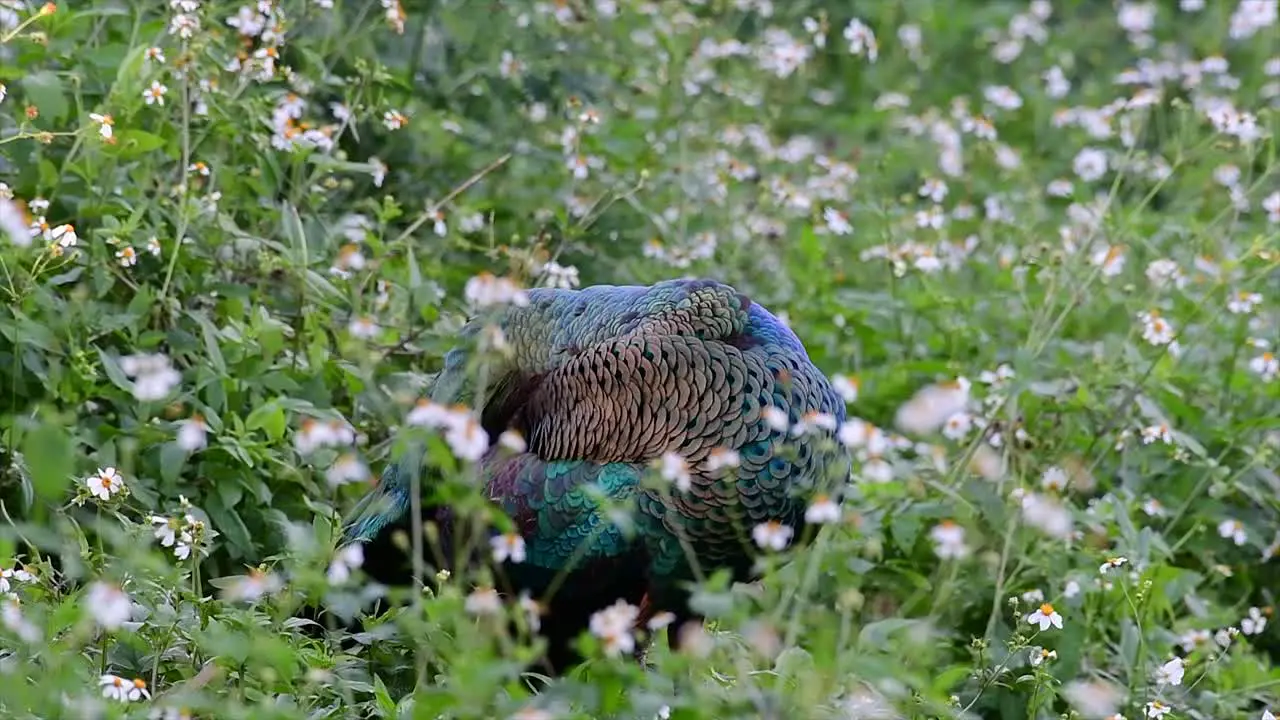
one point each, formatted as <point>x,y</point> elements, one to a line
<point>104,483</point>
<point>115,687</point>
<point>822,510</point>
<point>1171,672</point>
<point>1044,616</point>
<point>108,604</point>
<point>508,546</point>
<point>772,535</point>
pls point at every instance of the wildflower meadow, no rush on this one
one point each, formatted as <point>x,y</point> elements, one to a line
<point>1035,246</point>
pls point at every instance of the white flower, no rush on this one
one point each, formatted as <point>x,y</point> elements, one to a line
<point>508,546</point>
<point>378,171</point>
<point>854,433</point>
<point>948,539</point>
<point>1039,655</point>
<point>931,406</point>
<point>108,604</point>
<point>186,544</point>
<point>1266,365</point>
<point>1054,479</point>
<point>1243,303</point>
<point>1047,515</point>
<point>1111,259</point>
<point>1003,97</point>
<point>861,40</point>
<point>1155,709</point>
<point>512,440</point>
<point>1111,564</point>
<point>837,222</point>
<point>720,458</point>
<point>1170,673</point>
<point>1056,84</point>
<point>165,529</point>
<point>344,561</point>
<point>1044,616</point>
<point>1155,329</point>
<point>11,617</point>
<point>467,439</point>
<point>877,470</point>
<point>957,426</point>
<point>192,433</point>
<point>314,434</point>
<point>1255,623</point>
<point>483,601</point>
<point>775,418</point>
<point>1094,698</point>
<point>13,223</point>
<point>104,483</point>
<point>394,119</point>
<point>154,377</point>
<point>485,290</point>
<point>250,587</point>
<point>127,256</point>
<point>1224,636</point>
<point>1161,432</point>
<point>347,468</point>
<point>1271,204</point>
<point>1090,164</point>
<point>154,95</point>
<point>509,66</point>
<point>772,535</point>
<point>822,510</point>
<point>846,387</point>
<point>1192,639</point>
<point>117,688</point>
<point>1233,530</point>
<point>934,189</point>
<point>64,235</point>
<point>105,123</point>
<point>362,327</point>
<point>438,224</point>
<point>532,609</point>
<point>614,626</point>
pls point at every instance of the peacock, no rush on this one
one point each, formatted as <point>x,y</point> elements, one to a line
<point>603,383</point>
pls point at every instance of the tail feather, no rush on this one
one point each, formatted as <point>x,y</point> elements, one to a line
<point>389,502</point>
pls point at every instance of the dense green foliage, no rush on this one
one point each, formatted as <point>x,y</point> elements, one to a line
<point>1037,241</point>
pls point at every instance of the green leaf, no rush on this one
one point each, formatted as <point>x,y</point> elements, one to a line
<point>45,90</point>
<point>906,528</point>
<point>50,458</point>
<point>114,373</point>
<point>211,348</point>
<point>133,142</point>
<point>386,706</point>
<point>228,522</point>
<point>269,418</point>
<point>172,459</point>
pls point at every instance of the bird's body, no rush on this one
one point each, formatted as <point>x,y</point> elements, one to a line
<point>602,382</point>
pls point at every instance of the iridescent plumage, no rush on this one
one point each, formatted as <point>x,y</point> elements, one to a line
<point>601,382</point>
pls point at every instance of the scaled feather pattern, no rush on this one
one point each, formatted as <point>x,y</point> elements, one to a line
<point>602,382</point>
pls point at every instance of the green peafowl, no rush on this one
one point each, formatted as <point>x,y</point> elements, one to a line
<point>602,383</point>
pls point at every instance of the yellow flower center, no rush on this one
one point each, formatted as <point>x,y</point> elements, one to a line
<point>1046,609</point>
